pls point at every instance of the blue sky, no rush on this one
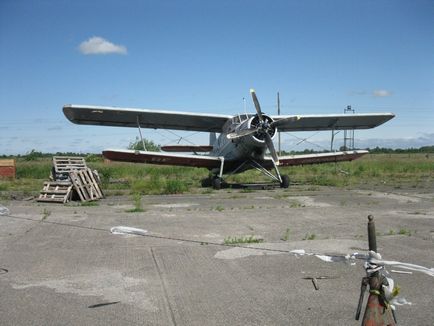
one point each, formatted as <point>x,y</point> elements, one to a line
<point>204,56</point>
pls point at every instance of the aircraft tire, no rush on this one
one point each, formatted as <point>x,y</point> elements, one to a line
<point>285,181</point>
<point>217,183</point>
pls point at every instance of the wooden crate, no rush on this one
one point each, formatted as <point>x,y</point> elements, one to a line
<point>8,168</point>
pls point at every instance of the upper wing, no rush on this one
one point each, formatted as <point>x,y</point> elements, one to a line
<point>200,161</point>
<point>304,159</point>
<point>334,121</point>
<point>125,117</point>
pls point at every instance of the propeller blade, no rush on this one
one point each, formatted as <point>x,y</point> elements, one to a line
<point>257,106</point>
<point>278,123</point>
<point>270,146</point>
<point>242,133</point>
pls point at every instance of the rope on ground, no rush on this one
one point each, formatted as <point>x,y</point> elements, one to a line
<point>349,258</point>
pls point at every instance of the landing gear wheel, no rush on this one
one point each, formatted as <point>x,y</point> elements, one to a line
<point>217,183</point>
<point>285,182</point>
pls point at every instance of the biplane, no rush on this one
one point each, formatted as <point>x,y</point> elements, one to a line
<point>237,142</point>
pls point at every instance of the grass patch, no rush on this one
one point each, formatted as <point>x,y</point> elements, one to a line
<point>45,214</point>
<point>89,204</point>
<point>240,240</point>
<point>295,204</point>
<point>309,236</point>
<point>286,235</point>
<point>4,186</point>
<point>175,187</point>
<point>403,231</point>
<point>219,208</point>
<point>137,204</point>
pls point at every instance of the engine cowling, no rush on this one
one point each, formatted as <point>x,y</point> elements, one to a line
<point>262,126</point>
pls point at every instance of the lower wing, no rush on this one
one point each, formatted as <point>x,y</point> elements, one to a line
<point>320,158</point>
<point>187,148</point>
<point>200,161</point>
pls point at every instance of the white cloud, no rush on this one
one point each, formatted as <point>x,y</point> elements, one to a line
<point>99,45</point>
<point>381,93</point>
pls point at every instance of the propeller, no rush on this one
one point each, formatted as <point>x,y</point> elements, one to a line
<point>263,127</point>
<point>271,148</point>
<point>257,106</point>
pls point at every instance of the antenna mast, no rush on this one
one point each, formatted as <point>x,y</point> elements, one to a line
<point>278,133</point>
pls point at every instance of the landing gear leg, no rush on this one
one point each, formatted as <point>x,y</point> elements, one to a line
<point>217,180</point>
<point>285,181</point>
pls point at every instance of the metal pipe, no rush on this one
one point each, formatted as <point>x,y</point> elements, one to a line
<point>372,238</point>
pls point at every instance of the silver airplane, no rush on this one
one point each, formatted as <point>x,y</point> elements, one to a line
<point>242,143</point>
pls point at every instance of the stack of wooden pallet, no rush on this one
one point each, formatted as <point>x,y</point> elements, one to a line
<point>70,179</point>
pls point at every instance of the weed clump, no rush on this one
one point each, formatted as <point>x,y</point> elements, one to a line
<point>137,204</point>
<point>286,235</point>
<point>240,240</point>
<point>309,236</point>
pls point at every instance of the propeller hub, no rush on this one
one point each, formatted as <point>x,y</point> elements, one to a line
<point>262,127</point>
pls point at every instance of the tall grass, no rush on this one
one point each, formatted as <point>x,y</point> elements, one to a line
<point>393,169</point>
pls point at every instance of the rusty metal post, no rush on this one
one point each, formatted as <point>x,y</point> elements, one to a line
<point>377,311</point>
<point>372,238</point>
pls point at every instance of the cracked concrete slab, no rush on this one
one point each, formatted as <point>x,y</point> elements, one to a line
<point>67,268</point>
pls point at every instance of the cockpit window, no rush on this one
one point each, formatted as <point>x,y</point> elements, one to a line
<point>236,119</point>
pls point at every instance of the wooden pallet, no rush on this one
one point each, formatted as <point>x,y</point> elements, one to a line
<point>85,185</point>
<point>62,165</point>
<point>56,192</point>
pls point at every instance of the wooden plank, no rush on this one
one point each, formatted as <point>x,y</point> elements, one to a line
<point>55,192</point>
<point>52,200</point>
<point>77,185</point>
<point>96,184</point>
<point>86,186</point>
<point>83,186</point>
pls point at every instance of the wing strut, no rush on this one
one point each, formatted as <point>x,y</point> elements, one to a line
<point>140,132</point>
